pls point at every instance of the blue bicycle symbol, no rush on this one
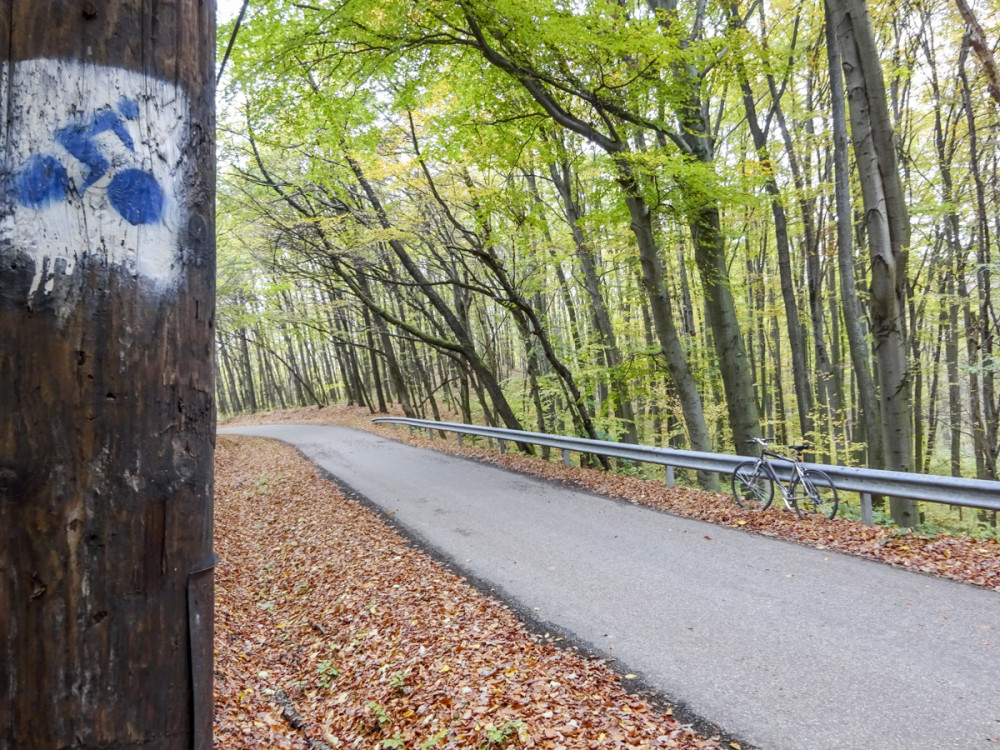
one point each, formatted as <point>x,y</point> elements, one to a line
<point>133,193</point>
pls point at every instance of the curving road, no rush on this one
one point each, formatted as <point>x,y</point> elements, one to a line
<point>782,646</point>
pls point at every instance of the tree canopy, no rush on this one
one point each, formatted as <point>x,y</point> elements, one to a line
<point>686,224</point>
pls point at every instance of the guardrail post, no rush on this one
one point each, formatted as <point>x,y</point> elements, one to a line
<point>669,471</point>
<point>411,428</point>
<point>459,436</point>
<point>867,517</point>
<point>430,433</point>
<point>566,459</point>
<point>502,445</point>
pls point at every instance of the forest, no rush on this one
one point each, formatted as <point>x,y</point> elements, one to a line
<point>679,224</point>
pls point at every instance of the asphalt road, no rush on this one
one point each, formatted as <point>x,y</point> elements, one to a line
<point>782,646</point>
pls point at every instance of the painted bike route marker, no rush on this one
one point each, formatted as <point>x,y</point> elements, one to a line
<point>108,175</point>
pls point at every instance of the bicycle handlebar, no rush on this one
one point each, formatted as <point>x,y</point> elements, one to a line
<point>764,441</point>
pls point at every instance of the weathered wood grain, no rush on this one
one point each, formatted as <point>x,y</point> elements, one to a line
<point>106,373</point>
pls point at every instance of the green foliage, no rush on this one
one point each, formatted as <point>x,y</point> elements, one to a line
<point>379,714</point>
<point>398,681</point>
<point>434,740</point>
<point>504,735</point>
<point>407,93</point>
<point>326,673</point>
<point>987,531</point>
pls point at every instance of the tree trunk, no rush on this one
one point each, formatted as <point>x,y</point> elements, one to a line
<point>249,385</point>
<point>709,246</point>
<point>854,327</point>
<point>353,365</point>
<point>106,367</point>
<point>933,417</point>
<point>755,302</point>
<point>779,387</point>
<point>233,388</point>
<point>395,374</point>
<point>620,394</point>
<point>987,314</point>
<point>654,283</point>
<point>887,225</point>
<point>709,253</point>
<point>373,358</point>
<point>796,337</point>
<point>977,40</point>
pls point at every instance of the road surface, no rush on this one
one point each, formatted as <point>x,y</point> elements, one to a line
<point>782,646</point>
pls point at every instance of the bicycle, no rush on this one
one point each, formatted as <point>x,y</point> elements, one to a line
<point>808,492</point>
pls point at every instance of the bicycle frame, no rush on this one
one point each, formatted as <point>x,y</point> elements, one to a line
<point>797,473</point>
<point>754,480</point>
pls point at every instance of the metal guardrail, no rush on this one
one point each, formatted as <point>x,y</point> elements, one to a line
<point>969,493</point>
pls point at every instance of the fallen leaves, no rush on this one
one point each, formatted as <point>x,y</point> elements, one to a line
<point>331,632</point>
<point>375,646</point>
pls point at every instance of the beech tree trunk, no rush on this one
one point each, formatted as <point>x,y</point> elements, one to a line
<point>977,40</point>
<point>870,409</point>
<point>704,223</point>
<point>106,366</point>
<point>561,177</point>
<point>888,232</point>
<point>654,282</point>
<point>986,436</point>
<point>796,337</point>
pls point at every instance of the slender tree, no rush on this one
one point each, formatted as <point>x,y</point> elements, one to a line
<point>887,229</point>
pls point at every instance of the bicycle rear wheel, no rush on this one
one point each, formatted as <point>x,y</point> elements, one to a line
<point>816,495</point>
<point>751,490</point>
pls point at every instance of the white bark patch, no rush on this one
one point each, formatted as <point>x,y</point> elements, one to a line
<point>94,156</point>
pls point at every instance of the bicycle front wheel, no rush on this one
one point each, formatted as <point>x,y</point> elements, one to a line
<point>751,490</point>
<point>816,495</point>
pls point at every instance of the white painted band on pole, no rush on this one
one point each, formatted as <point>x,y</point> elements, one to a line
<point>103,183</point>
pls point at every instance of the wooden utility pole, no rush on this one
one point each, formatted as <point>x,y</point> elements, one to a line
<point>107,265</point>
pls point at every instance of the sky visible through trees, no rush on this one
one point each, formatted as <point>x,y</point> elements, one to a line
<point>677,224</point>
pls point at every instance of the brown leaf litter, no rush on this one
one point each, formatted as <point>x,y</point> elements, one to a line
<point>332,632</point>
